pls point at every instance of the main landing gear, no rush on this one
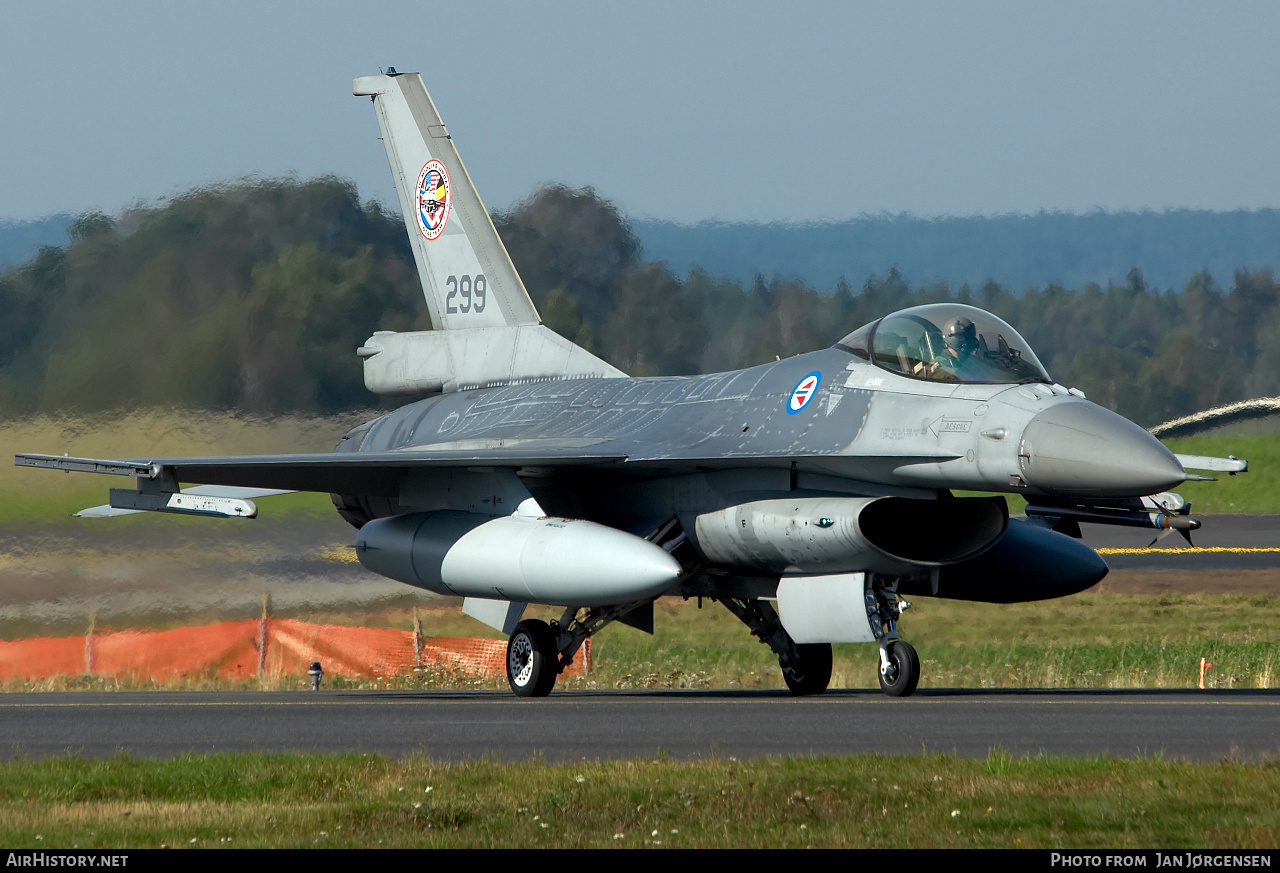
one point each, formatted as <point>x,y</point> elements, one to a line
<point>532,659</point>
<point>809,672</point>
<point>806,668</point>
<point>537,652</point>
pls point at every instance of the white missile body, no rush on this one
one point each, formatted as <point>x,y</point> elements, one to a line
<point>535,560</point>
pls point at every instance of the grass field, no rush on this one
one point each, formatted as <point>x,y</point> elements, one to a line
<point>1256,492</point>
<point>1087,641</point>
<point>1092,640</point>
<point>41,496</point>
<point>327,801</point>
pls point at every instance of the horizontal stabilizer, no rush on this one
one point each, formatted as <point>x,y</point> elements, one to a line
<point>429,362</point>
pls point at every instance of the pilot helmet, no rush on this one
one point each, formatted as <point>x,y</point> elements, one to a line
<point>960,334</point>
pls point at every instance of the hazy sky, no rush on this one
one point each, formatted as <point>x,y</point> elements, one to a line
<point>684,111</point>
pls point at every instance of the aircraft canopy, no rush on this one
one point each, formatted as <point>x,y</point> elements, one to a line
<point>947,342</point>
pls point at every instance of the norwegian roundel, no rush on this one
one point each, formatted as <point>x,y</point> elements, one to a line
<point>803,393</point>
<point>434,199</point>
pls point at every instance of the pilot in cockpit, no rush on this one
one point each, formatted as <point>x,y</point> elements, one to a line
<point>961,338</point>
<point>947,342</point>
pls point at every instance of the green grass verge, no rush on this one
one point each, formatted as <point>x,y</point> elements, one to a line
<point>1256,492</point>
<point>43,496</point>
<point>359,801</point>
<point>1095,640</point>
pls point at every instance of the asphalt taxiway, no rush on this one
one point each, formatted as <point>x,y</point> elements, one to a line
<point>1196,725</point>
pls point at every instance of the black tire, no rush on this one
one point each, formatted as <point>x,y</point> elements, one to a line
<point>904,670</point>
<point>532,659</point>
<point>811,672</point>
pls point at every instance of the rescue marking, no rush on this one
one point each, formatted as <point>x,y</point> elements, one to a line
<point>803,392</point>
<point>434,199</point>
<point>947,424</point>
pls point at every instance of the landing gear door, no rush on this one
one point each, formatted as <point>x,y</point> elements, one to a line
<point>501,615</point>
<point>825,609</point>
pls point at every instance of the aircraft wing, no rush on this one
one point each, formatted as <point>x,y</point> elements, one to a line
<point>381,473</point>
<point>367,473</point>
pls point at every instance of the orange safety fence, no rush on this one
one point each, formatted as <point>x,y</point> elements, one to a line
<point>270,647</point>
<point>227,649</point>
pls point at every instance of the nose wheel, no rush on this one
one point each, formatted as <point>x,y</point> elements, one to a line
<point>899,663</point>
<point>899,669</point>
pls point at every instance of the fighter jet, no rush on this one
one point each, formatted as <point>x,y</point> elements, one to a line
<point>809,496</point>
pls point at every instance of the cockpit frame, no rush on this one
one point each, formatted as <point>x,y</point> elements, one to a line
<point>947,342</point>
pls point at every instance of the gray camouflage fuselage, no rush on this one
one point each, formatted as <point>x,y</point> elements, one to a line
<point>862,426</point>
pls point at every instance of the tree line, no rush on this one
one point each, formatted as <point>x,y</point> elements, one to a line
<point>1018,250</point>
<point>254,296</point>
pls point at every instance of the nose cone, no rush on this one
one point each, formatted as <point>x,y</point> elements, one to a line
<point>1081,449</point>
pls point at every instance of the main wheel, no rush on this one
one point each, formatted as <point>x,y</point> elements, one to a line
<point>903,673</point>
<point>532,659</point>
<point>810,673</point>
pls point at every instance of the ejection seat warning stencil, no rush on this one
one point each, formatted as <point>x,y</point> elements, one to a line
<point>803,393</point>
<point>434,199</point>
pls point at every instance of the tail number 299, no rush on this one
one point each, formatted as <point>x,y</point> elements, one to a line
<point>466,293</point>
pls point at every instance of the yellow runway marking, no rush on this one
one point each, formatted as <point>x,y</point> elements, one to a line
<point>1231,550</point>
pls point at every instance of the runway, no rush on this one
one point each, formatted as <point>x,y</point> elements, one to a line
<point>1196,725</point>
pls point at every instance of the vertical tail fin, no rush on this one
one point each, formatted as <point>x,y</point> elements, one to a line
<point>467,275</point>
<point>487,331</point>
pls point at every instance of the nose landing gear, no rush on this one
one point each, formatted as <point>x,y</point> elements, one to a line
<point>899,663</point>
<point>899,669</point>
